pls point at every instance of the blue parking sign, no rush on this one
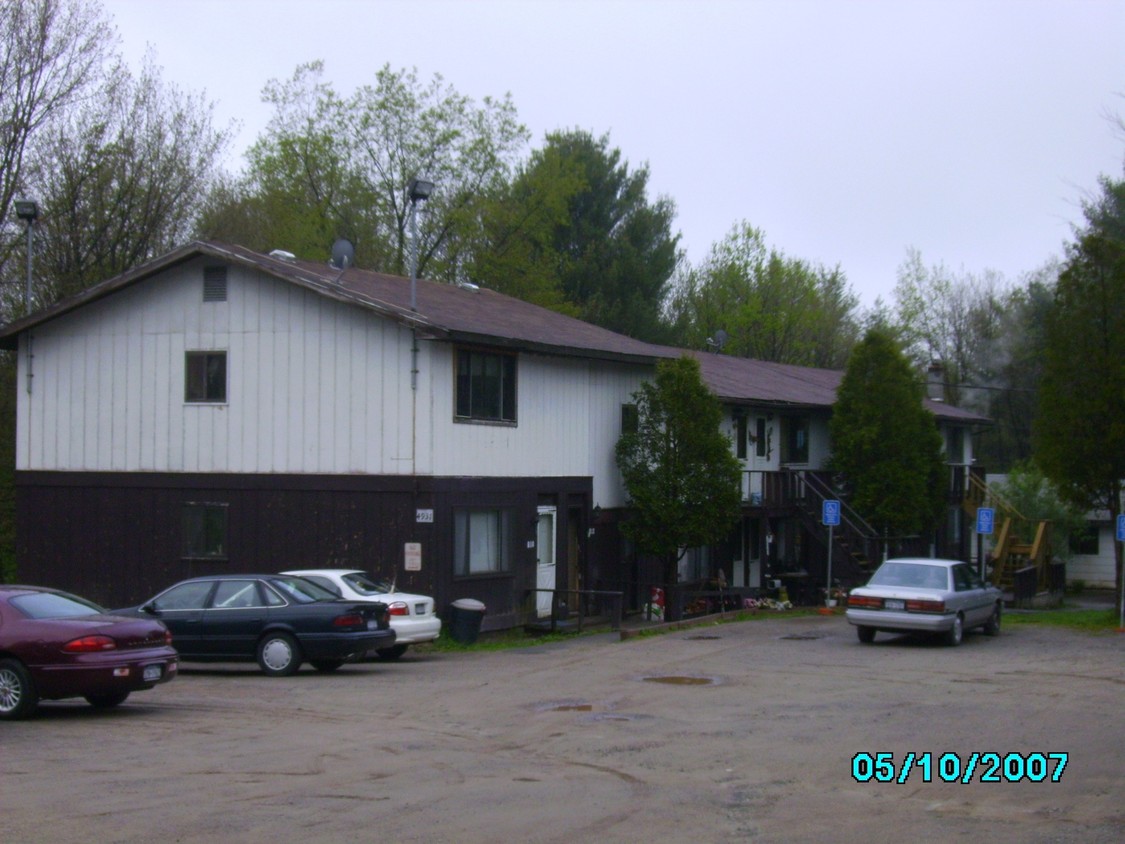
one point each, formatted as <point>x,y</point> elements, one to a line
<point>831,512</point>
<point>986,519</point>
<point>1121,527</point>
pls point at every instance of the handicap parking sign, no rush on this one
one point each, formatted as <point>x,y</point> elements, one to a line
<point>986,518</point>
<point>831,512</point>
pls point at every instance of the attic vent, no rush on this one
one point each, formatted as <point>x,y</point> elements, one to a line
<point>214,284</point>
<point>282,255</point>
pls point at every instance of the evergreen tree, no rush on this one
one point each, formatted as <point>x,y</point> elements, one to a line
<point>885,444</point>
<point>681,475</point>
<point>1079,431</point>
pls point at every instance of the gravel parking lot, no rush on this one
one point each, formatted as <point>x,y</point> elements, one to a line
<point>719,733</point>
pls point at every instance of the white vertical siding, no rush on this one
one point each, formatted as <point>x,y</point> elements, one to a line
<point>313,386</point>
<point>309,380</point>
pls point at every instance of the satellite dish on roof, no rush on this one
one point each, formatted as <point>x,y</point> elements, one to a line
<point>717,342</point>
<point>343,254</point>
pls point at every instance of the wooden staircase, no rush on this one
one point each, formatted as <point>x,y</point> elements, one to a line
<point>1020,544</point>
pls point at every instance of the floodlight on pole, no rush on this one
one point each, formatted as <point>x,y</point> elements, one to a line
<point>418,190</point>
<point>27,209</point>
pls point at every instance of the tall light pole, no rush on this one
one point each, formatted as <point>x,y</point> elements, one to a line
<point>419,190</point>
<point>26,209</point>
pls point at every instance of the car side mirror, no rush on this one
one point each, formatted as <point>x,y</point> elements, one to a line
<point>150,609</point>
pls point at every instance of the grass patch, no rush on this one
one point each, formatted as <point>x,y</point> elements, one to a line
<point>1090,621</point>
<point>500,640</point>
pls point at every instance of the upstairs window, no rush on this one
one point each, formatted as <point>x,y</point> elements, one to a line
<point>798,441</point>
<point>485,386</point>
<point>630,419</point>
<point>205,377</point>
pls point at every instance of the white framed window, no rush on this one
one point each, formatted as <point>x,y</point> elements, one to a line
<point>205,377</point>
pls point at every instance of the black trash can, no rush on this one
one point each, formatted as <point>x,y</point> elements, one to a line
<point>465,616</point>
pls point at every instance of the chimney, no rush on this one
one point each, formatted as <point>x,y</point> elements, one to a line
<point>935,381</point>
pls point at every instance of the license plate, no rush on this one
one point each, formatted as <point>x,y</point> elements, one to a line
<point>892,604</point>
<point>152,672</point>
<point>372,624</point>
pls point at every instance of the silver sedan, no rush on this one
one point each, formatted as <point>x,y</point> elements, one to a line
<point>944,597</point>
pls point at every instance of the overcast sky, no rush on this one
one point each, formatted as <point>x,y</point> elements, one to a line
<point>846,131</point>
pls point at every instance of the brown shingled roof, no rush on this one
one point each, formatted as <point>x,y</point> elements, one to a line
<point>446,311</point>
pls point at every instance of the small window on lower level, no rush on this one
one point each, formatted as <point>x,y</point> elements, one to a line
<point>480,542</point>
<point>1085,539</point>
<point>204,527</point>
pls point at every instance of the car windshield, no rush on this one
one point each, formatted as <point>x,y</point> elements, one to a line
<point>913,575</point>
<point>364,585</point>
<point>301,591</point>
<point>52,605</point>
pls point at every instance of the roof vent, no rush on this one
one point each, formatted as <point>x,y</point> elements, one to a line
<point>215,284</point>
<point>282,255</point>
<point>468,285</point>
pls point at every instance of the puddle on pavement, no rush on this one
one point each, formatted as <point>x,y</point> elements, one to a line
<point>602,717</point>
<point>573,705</point>
<point>682,680</point>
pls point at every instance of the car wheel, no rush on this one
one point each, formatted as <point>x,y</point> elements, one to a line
<point>279,655</point>
<point>865,634</point>
<point>391,653</point>
<point>108,700</point>
<point>955,633</point>
<point>18,697</point>
<point>326,666</point>
<point>992,626</point>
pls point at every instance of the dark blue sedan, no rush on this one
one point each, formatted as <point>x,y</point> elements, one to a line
<point>278,620</point>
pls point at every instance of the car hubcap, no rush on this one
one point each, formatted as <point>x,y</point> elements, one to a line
<point>277,654</point>
<point>10,691</point>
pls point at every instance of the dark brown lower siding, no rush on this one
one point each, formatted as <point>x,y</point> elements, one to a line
<point>117,537</point>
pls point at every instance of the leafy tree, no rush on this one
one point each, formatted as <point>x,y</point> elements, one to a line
<point>771,307</point>
<point>1015,357</point>
<point>120,179</point>
<point>885,444</point>
<point>952,319</point>
<point>331,166</point>
<point>51,53</point>
<point>679,471</point>
<point>585,221</point>
<point>1035,498</point>
<point>1079,431</point>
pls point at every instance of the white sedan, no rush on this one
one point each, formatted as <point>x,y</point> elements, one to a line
<point>924,596</point>
<point>412,616</point>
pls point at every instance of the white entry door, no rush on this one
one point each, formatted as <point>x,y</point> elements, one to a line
<point>545,553</point>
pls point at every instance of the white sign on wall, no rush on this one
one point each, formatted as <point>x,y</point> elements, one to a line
<point>413,556</point>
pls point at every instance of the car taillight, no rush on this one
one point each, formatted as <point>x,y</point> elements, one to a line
<point>350,620</point>
<point>925,606</point>
<point>399,608</point>
<point>168,637</point>
<point>90,644</point>
<point>864,601</point>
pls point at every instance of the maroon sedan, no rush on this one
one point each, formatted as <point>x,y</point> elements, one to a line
<point>56,645</point>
